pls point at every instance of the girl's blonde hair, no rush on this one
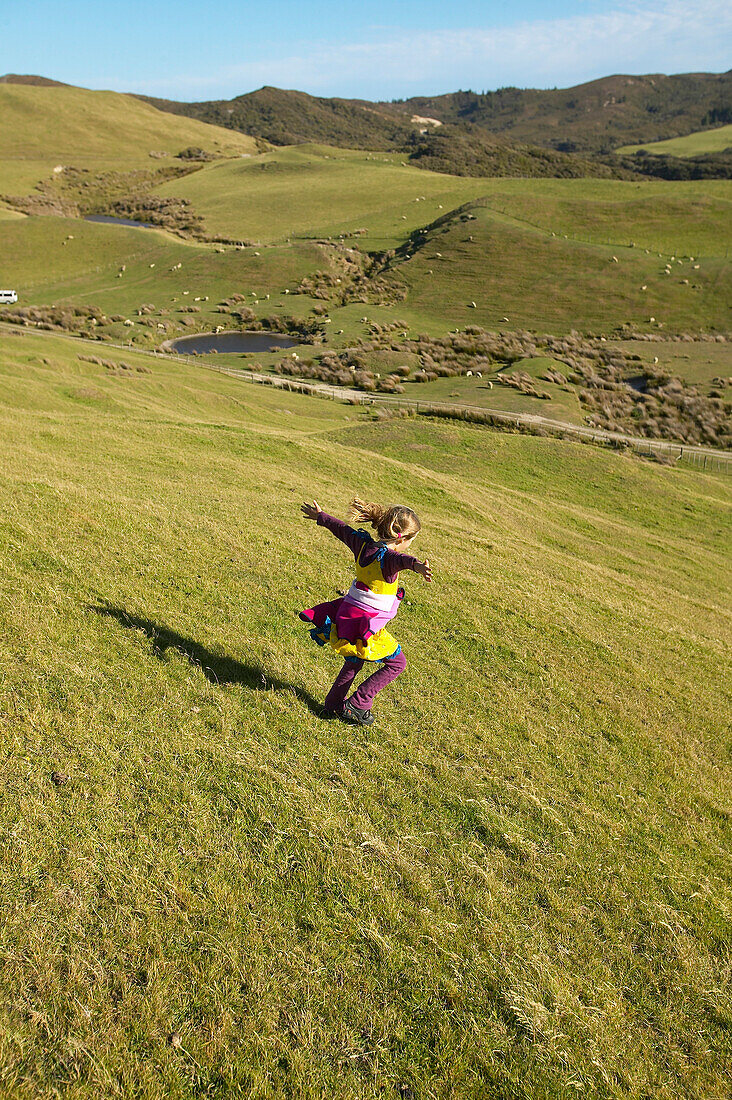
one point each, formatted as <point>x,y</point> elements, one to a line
<point>392,522</point>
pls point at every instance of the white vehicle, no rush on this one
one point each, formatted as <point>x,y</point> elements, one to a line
<point>7,297</point>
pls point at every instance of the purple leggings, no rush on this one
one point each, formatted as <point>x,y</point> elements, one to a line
<point>364,697</point>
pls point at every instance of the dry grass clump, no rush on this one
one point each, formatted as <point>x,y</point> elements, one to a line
<point>68,318</point>
<point>606,379</point>
<point>352,276</point>
<point>115,367</point>
<point>524,383</point>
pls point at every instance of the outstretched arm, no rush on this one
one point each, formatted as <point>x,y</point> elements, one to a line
<point>337,527</point>
<point>423,568</point>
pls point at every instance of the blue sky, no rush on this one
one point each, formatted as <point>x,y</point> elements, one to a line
<point>216,49</point>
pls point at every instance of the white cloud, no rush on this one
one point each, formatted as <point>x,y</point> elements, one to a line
<point>635,37</point>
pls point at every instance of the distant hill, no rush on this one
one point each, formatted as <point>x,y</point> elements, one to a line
<point>294,118</point>
<point>593,117</point>
<point>41,81</point>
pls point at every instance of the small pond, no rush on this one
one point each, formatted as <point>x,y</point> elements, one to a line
<point>241,342</point>
<point>118,221</point>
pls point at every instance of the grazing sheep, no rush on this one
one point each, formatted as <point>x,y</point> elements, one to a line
<point>129,322</point>
<point>655,360</point>
<point>152,265</point>
<point>504,320</point>
<point>489,384</point>
<point>472,305</point>
<point>644,287</point>
<point>478,374</point>
<point>615,259</point>
<point>469,374</point>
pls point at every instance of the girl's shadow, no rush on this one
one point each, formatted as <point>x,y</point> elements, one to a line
<point>216,668</point>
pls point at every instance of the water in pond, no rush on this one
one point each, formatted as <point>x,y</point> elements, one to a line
<point>241,342</point>
<point>117,221</point>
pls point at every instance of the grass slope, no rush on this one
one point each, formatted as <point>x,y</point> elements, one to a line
<point>692,145</point>
<point>41,127</point>
<point>319,191</point>
<point>516,885</point>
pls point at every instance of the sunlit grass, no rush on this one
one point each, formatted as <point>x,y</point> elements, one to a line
<point>516,884</point>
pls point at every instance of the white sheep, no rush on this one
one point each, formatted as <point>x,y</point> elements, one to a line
<point>615,259</point>
<point>478,374</point>
<point>469,374</point>
<point>472,305</point>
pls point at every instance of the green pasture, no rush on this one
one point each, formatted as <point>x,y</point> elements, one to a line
<point>691,145</point>
<point>674,218</point>
<point>318,191</point>
<point>482,271</point>
<point>72,261</point>
<point>515,885</point>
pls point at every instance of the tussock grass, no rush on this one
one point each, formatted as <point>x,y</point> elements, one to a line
<point>516,884</point>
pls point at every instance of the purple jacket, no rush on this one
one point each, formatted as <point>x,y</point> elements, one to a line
<point>392,563</point>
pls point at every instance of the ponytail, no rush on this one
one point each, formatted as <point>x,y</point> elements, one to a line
<point>390,523</point>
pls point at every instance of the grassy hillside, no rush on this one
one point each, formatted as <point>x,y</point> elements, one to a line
<point>321,191</point>
<point>692,145</point>
<point>42,127</point>
<point>516,884</point>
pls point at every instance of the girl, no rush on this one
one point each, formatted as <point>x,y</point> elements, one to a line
<point>354,625</point>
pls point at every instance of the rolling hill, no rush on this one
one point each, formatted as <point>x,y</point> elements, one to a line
<point>592,117</point>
